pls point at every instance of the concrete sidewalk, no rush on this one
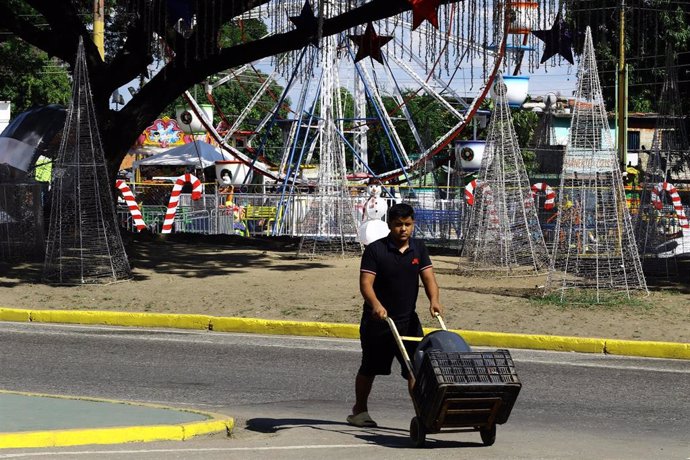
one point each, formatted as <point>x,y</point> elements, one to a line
<point>33,420</point>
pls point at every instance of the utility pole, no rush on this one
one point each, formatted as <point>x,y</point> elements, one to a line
<point>99,26</point>
<point>622,99</point>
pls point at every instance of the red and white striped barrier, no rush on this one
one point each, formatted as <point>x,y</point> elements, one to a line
<point>550,194</point>
<point>131,204</point>
<point>675,198</point>
<point>175,198</point>
<point>469,192</point>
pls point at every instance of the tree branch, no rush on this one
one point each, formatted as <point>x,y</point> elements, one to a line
<point>25,30</point>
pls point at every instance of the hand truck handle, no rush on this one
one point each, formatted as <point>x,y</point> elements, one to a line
<point>401,345</point>
<point>440,320</point>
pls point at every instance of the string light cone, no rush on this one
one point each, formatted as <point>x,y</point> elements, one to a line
<point>329,227</point>
<point>503,232</point>
<point>84,243</point>
<point>662,229</point>
<point>594,254</point>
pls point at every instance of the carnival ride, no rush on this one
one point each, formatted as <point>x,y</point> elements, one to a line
<point>375,117</point>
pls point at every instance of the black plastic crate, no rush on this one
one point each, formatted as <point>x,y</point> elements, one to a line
<point>458,389</point>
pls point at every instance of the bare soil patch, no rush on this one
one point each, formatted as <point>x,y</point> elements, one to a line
<point>263,278</point>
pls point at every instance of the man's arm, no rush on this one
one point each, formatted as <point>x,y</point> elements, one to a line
<point>366,287</point>
<point>432,291</point>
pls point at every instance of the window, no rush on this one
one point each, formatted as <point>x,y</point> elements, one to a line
<point>633,140</point>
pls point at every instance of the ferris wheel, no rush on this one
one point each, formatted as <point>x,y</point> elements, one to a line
<point>386,116</point>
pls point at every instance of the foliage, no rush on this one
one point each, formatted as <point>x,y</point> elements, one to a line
<point>29,78</point>
<point>651,25</point>
<point>589,298</point>
<point>428,115</point>
<point>525,123</point>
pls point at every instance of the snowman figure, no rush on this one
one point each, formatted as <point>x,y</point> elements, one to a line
<point>375,207</point>
<point>373,227</point>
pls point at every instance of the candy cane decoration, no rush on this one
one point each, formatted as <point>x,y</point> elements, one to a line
<point>488,200</point>
<point>469,192</point>
<point>175,198</point>
<point>131,204</point>
<point>550,194</point>
<point>675,198</point>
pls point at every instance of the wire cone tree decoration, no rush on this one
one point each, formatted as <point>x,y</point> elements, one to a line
<point>503,231</point>
<point>662,228</point>
<point>84,243</point>
<point>329,227</point>
<point>594,244</point>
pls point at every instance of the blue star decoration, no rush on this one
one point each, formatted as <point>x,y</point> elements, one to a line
<point>369,44</point>
<point>307,24</point>
<point>557,40</point>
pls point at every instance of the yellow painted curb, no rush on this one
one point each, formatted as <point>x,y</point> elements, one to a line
<point>347,331</point>
<point>265,326</point>
<point>648,349</point>
<point>533,342</point>
<point>115,435</point>
<point>115,318</point>
<point>13,314</point>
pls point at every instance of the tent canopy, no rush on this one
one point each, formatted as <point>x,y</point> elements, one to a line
<point>186,155</point>
<point>31,134</point>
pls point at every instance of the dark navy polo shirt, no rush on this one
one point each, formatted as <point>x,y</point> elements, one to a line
<point>397,275</point>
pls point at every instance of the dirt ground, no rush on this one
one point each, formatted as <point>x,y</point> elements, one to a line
<point>232,276</point>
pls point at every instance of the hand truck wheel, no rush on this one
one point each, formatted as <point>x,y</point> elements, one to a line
<point>488,435</point>
<point>417,432</point>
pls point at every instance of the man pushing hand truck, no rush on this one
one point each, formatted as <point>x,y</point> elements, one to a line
<point>450,386</point>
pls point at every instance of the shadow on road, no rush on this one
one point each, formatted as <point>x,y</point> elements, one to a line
<point>382,436</point>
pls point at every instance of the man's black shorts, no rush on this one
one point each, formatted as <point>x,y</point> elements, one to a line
<point>379,347</point>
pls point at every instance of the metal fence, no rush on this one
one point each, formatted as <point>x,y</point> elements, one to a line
<point>22,224</point>
<point>272,212</point>
<point>439,213</point>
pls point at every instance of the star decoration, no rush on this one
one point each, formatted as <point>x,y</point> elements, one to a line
<point>307,23</point>
<point>369,44</point>
<point>182,17</point>
<point>424,9</point>
<point>557,40</point>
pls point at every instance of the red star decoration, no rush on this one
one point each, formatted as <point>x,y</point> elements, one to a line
<point>424,9</point>
<point>369,44</point>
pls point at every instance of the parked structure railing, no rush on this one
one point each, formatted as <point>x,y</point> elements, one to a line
<point>264,213</point>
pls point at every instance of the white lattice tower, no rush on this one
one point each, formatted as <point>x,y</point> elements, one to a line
<point>84,243</point>
<point>594,251</point>
<point>503,232</point>
<point>330,226</point>
<point>661,229</point>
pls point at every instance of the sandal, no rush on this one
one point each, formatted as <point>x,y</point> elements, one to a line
<point>361,420</point>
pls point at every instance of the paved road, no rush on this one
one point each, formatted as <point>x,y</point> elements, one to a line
<point>291,395</point>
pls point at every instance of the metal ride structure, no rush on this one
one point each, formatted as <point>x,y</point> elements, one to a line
<point>594,252</point>
<point>377,103</point>
<point>662,229</point>
<point>84,243</point>
<point>503,232</point>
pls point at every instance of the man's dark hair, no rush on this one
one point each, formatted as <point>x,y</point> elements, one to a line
<point>400,211</point>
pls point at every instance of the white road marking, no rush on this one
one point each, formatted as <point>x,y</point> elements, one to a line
<point>209,449</point>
